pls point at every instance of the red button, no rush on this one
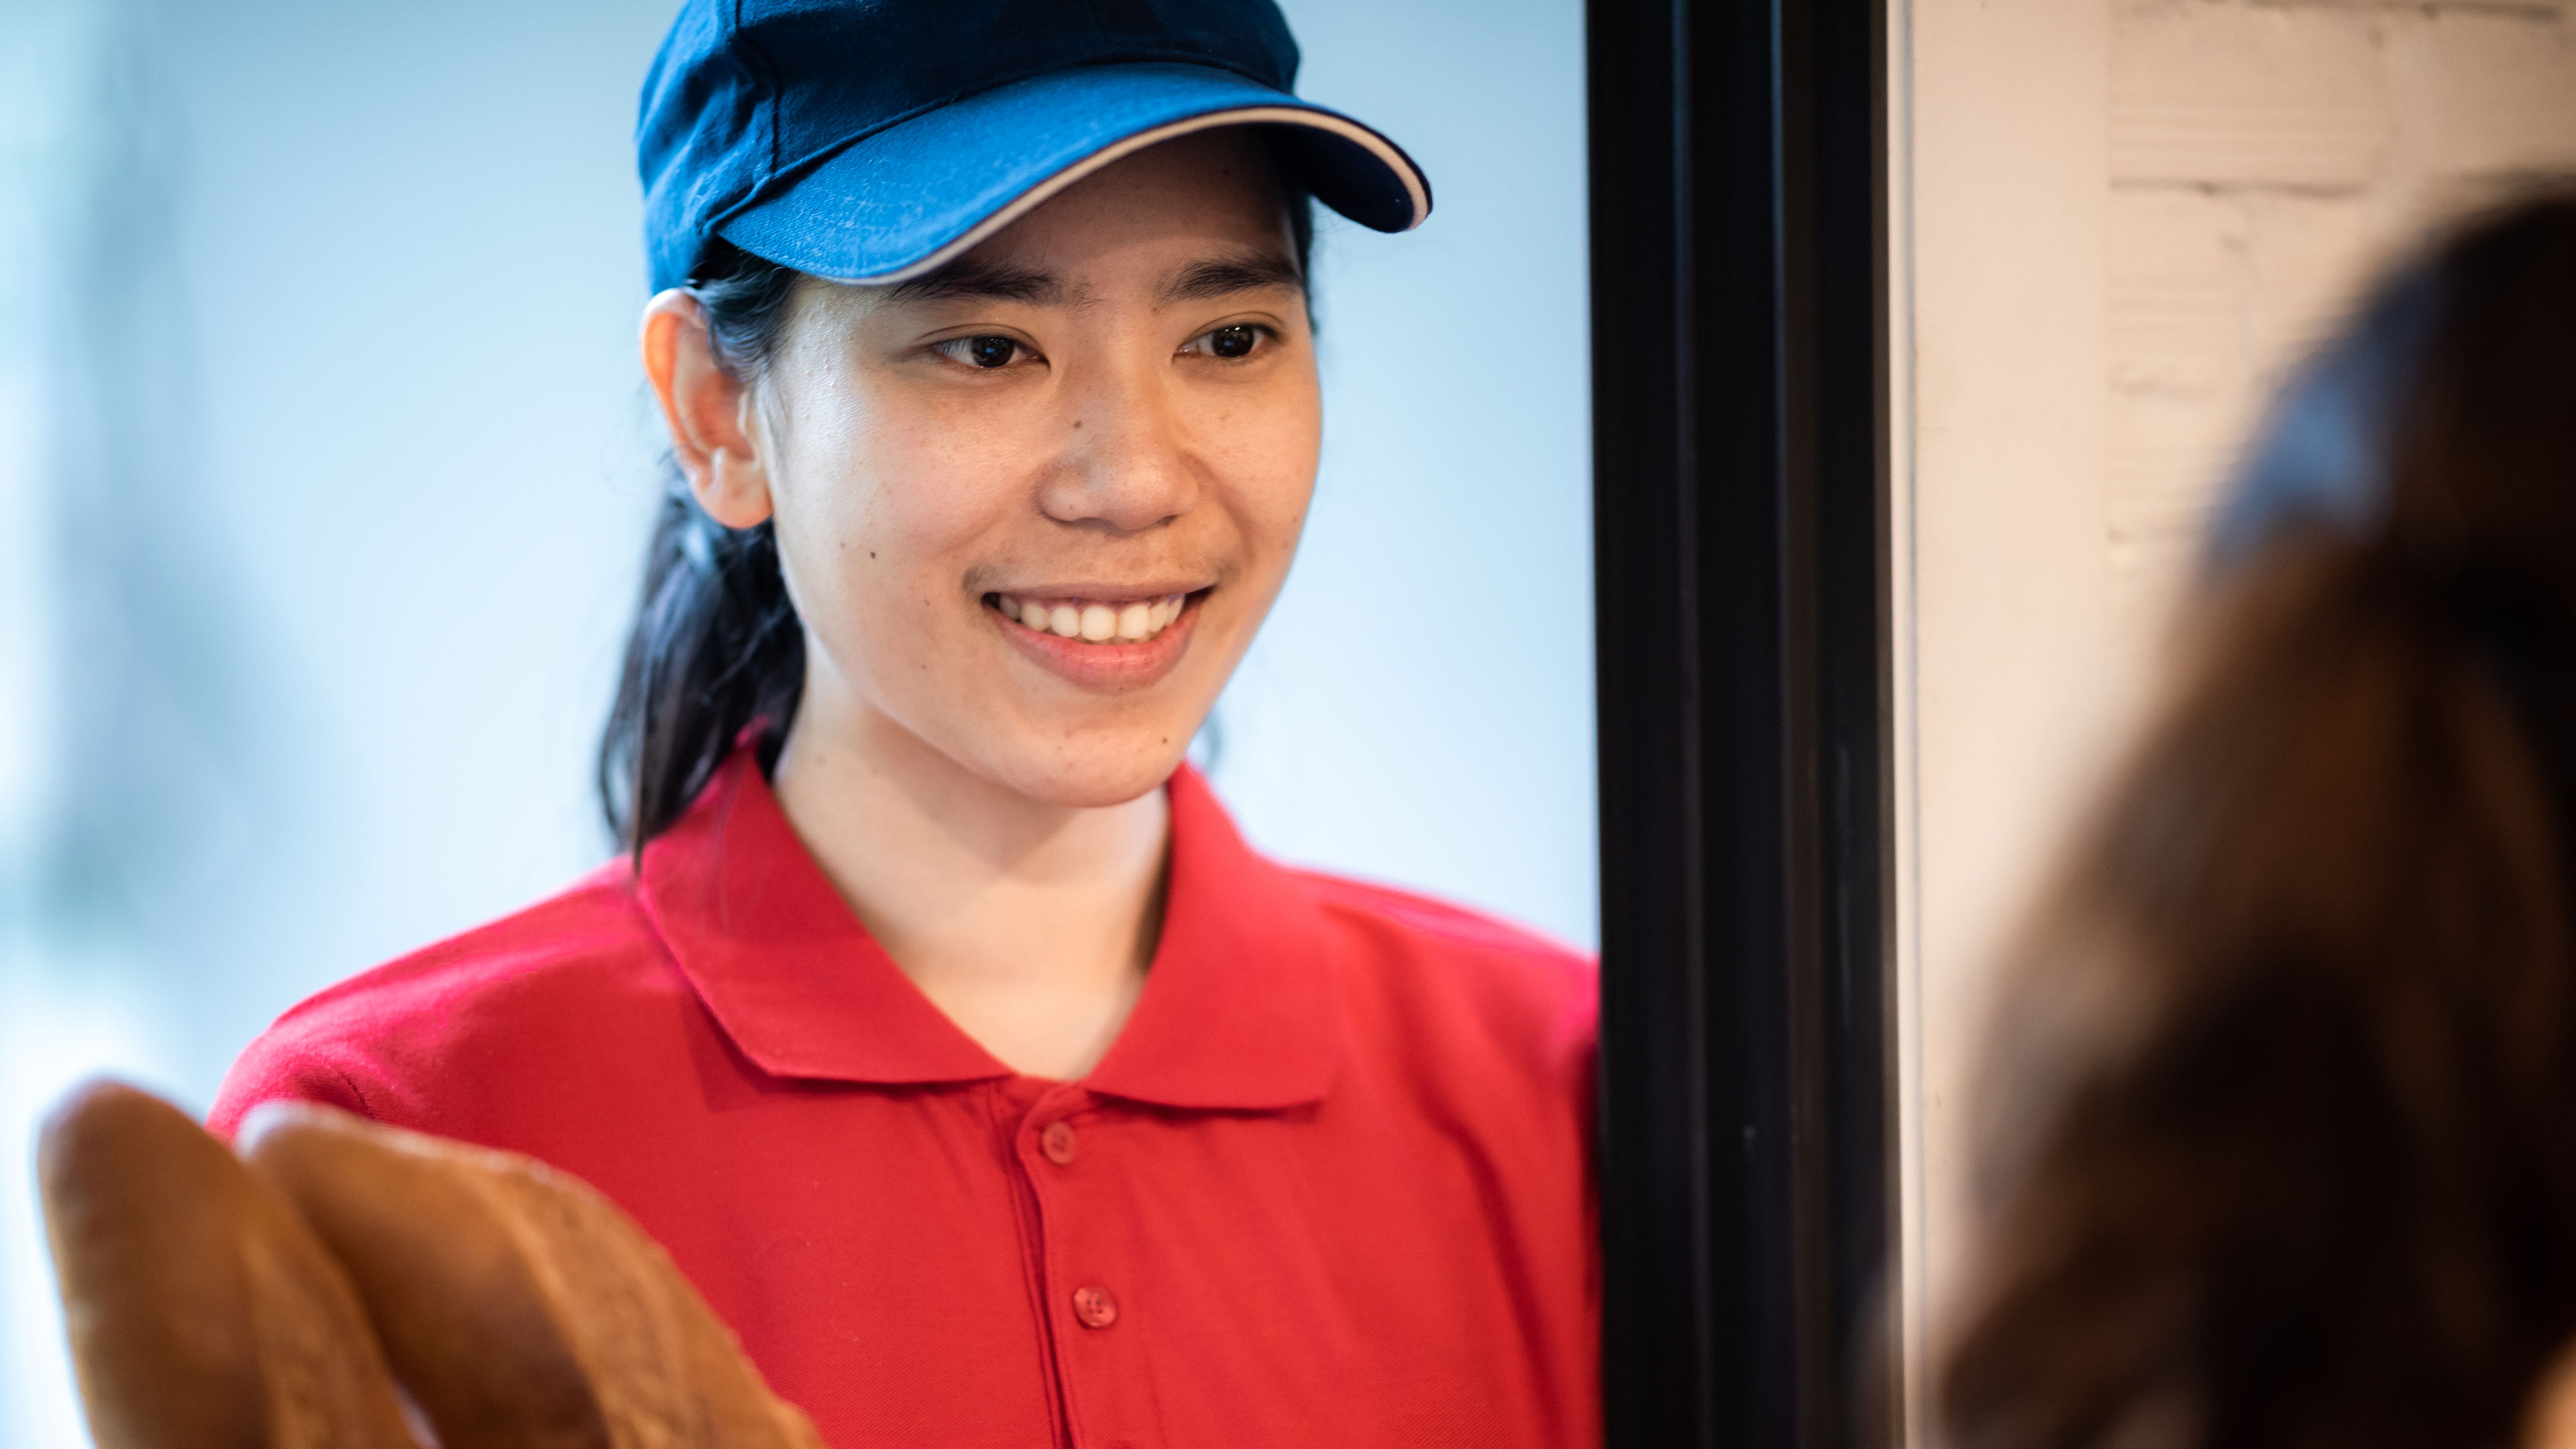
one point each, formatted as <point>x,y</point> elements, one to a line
<point>1057,1143</point>
<point>1095,1307</point>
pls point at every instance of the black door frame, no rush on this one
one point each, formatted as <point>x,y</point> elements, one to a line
<point>1740,447</point>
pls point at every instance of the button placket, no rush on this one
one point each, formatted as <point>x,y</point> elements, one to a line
<point>1060,1142</point>
<point>1058,1150</point>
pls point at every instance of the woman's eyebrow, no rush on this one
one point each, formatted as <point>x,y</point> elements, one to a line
<point>968,277</point>
<point>1226,276</point>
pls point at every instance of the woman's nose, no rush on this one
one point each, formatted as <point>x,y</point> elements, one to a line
<point>1125,459</point>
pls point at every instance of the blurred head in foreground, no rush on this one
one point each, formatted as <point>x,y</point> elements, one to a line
<point>2279,1141</point>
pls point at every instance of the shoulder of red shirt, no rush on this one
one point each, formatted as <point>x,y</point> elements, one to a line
<point>1513,972</point>
<point>592,946</point>
<point>329,1047</point>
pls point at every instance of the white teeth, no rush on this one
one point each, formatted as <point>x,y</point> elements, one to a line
<point>1127,623</point>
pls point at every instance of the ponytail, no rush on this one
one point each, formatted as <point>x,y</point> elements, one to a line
<point>716,643</point>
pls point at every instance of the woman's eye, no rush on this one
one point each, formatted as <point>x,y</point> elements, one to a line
<point>980,351</point>
<point>1235,341</point>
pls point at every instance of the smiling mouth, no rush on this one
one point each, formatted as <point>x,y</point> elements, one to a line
<point>1094,621</point>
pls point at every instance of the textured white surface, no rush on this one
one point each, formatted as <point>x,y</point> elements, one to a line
<point>2266,161</point>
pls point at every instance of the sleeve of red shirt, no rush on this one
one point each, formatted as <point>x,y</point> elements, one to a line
<point>277,1069</point>
<point>300,1059</point>
<point>265,1073</point>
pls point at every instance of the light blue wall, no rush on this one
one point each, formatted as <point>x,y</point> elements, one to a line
<point>324,468</point>
<point>1420,707</point>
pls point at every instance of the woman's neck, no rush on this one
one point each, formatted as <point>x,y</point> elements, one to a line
<point>1029,924</point>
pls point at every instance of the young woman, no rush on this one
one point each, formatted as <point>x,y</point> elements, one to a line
<point>937,1021</point>
<point>2281,1149</point>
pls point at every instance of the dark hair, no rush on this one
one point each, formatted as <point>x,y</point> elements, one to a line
<point>2278,1141</point>
<point>716,644</point>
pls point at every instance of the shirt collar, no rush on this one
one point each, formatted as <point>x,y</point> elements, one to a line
<point>1235,1015</point>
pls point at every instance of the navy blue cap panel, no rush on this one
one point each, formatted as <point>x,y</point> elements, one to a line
<point>1355,180</point>
<point>701,130</point>
<point>749,100</point>
<point>830,61</point>
<point>904,201</point>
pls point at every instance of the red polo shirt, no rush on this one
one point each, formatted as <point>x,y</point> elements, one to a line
<point>1330,1187</point>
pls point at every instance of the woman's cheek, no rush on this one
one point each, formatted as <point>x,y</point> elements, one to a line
<point>1268,452</point>
<point>943,479</point>
<point>1289,489</point>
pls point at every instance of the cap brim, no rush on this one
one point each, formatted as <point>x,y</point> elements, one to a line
<point>911,198</point>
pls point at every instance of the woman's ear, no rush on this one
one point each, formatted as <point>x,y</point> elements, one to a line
<point>709,411</point>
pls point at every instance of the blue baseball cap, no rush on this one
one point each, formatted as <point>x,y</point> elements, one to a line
<point>876,140</point>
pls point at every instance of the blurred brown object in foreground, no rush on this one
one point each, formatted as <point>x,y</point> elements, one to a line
<point>517,1305</point>
<point>213,1305</point>
<point>2279,1141</point>
<point>202,1313</point>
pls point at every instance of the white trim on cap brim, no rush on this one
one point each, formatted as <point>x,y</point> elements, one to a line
<point>1036,196</point>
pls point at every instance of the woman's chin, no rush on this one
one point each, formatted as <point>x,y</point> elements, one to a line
<point>1094,774</point>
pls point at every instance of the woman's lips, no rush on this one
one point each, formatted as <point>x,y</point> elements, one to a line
<point>1099,643</point>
